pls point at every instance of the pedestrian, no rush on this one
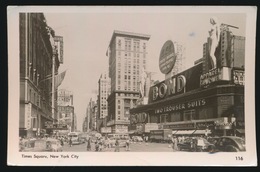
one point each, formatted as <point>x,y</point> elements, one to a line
<point>96,146</point>
<point>128,145</point>
<point>21,144</point>
<point>100,145</point>
<point>70,141</point>
<point>89,145</point>
<point>61,142</point>
<point>173,142</point>
<point>117,146</point>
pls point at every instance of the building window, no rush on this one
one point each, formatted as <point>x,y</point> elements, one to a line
<point>164,118</point>
<point>189,115</point>
<point>30,94</point>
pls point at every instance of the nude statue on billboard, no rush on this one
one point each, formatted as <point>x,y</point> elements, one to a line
<point>214,34</point>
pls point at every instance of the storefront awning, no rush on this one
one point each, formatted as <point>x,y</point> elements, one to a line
<point>174,131</point>
<point>241,131</point>
<point>184,132</point>
<point>131,132</point>
<point>201,132</point>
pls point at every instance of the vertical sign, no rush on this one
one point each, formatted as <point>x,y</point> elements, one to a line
<point>28,111</point>
<point>59,44</point>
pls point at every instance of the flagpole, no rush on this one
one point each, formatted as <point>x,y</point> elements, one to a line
<point>53,80</point>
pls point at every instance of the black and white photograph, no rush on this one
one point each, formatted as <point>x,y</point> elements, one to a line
<point>118,85</point>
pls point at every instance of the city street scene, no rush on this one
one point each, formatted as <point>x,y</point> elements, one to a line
<point>132,82</point>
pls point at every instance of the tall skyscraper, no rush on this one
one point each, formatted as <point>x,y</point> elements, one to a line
<point>103,93</point>
<point>91,115</point>
<point>127,54</point>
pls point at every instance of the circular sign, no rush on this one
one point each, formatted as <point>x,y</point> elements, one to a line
<point>167,57</point>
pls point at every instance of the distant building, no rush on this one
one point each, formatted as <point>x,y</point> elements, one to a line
<point>179,65</point>
<point>104,89</point>
<point>66,114</point>
<point>91,116</point>
<point>127,54</point>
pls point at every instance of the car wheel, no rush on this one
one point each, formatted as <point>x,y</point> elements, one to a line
<point>231,148</point>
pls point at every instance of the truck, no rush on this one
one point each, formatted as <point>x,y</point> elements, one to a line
<point>161,135</point>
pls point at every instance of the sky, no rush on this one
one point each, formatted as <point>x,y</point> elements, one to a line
<point>87,35</point>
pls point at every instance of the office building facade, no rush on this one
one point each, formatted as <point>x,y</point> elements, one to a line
<point>127,53</point>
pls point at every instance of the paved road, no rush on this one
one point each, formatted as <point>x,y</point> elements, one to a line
<point>134,147</point>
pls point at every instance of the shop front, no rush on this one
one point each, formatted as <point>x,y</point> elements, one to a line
<point>192,103</point>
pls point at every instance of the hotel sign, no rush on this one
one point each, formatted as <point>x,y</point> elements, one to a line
<point>167,57</point>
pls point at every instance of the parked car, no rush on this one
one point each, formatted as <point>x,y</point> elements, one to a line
<point>230,144</point>
<point>202,145</point>
<point>213,140</point>
<point>112,141</point>
<point>44,145</point>
<point>137,139</point>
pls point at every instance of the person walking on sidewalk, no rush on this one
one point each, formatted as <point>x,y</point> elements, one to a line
<point>117,146</point>
<point>89,145</point>
<point>128,145</point>
<point>70,141</point>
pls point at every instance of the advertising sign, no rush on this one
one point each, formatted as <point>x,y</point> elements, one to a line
<point>56,126</point>
<point>183,82</point>
<point>150,126</point>
<point>58,40</point>
<point>28,113</point>
<point>167,57</point>
<point>214,75</point>
<point>106,130</point>
<point>121,130</point>
<point>239,77</point>
<point>180,106</point>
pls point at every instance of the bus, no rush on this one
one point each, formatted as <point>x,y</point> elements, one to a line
<point>77,138</point>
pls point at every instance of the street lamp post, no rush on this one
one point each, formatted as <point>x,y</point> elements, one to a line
<point>53,84</point>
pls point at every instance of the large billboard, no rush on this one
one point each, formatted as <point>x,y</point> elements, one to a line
<point>167,57</point>
<point>183,82</point>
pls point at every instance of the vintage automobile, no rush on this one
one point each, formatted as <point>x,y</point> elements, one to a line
<point>202,145</point>
<point>112,141</point>
<point>44,145</point>
<point>137,139</point>
<point>230,144</point>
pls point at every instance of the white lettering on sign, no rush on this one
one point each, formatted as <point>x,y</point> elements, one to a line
<point>239,77</point>
<point>181,106</point>
<point>211,76</point>
<point>170,87</point>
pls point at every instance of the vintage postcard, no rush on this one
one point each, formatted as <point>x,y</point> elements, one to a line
<point>131,86</point>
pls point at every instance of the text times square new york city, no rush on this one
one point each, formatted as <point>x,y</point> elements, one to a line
<point>132,82</point>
